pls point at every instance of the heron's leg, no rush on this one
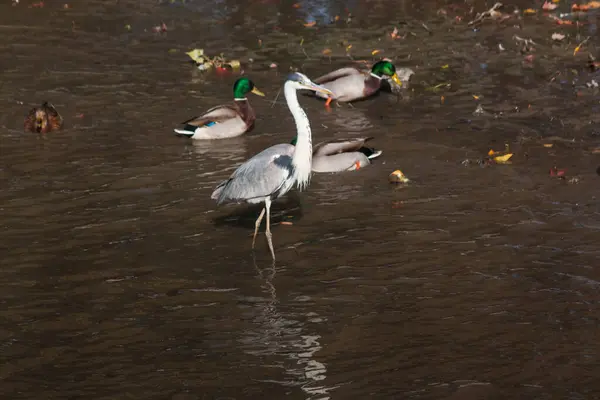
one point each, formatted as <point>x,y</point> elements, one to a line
<point>257,225</point>
<point>268,232</point>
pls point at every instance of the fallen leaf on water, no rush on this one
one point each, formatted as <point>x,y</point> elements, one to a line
<point>446,66</point>
<point>529,11</point>
<point>286,223</point>
<point>160,28</point>
<point>580,45</point>
<point>273,65</point>
<point>326,52</point>
<point>375,52</point>
<point>442,99</point>
<point>558,36</point>
<point>557,172</point>
<point>475,97</point>
<point>503,159</point>
<point>233,64</point>
<point>197,55</point>
<point>204,62</point>
<point>548,145</point>
<point>128,27</point>
<point>394,33</point>
<point>310,24</point>
<point>348,47</point>
<point>398,177</point>
<point>506,150</point>
<point>549,6</point>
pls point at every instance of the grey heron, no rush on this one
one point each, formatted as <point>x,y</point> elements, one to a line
<point>274,171</point>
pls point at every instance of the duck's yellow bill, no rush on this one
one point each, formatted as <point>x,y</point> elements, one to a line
<point>396,79</point>
<point>257,92</point>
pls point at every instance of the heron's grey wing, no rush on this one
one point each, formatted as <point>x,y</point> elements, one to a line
<point>261,176</point>
<point>215,114</point>
<point>339,146</point>
<point>337,74</point>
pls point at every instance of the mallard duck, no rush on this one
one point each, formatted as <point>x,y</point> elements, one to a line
<point>227,120</point>
<point>43,119</point>
<point>349,84</point>
<point>342,155</point>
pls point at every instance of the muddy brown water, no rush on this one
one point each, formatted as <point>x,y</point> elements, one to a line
<point>121,279</point>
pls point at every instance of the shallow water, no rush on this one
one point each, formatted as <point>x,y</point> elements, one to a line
<point>121,279</point>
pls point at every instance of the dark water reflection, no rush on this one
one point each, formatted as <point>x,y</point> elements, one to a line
<point>121,279</point>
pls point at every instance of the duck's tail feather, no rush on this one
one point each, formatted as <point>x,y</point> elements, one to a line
<point>184,132</point>
<point>370,152</point>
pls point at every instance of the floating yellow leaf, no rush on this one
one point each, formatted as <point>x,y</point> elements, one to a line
<point>310,24</point>
<point>476,98</point>
<point>286,223</point>
<point>375,52</point>
<point>445,66</point>
<point>492,152</point>
<point>348,47</point>
<point>529,11</point>
<point>326,52</point>
<point>548,145</point>
<point>197,55</point>
<point>234,64</point>
<point>442,98</point>
<point>502,159</point>
<point>398,177</point>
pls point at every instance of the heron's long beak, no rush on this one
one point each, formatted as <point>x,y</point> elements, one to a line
<point>318,88</point>
<point>257,92</point>
<point>396,79</point>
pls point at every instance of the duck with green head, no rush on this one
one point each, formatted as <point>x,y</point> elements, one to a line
<point>227,120</point>
<point>350,84</point>
<point>342,155</point>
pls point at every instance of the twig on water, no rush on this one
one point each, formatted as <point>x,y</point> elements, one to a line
<point>486,14</point>
<point>276,97</point>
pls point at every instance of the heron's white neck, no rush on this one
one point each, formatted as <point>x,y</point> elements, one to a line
<point>302,158</point>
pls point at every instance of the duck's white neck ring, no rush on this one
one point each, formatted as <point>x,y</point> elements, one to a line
<point>376,76</point>
<point>240,99</point>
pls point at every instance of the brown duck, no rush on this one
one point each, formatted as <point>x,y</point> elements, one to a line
<point>43,119</point>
